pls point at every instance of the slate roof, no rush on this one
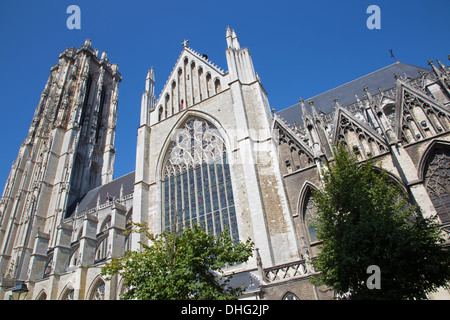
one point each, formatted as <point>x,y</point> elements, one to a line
<point>89,200</point>
<point>383,78</point>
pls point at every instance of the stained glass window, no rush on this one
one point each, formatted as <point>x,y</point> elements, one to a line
<point>69,294</point>
<point>101,251</point>
<point>310,213</point>
<point>437,181</point>
<point>99,291</point>
<point>290,296</point>
<point>196,182</point>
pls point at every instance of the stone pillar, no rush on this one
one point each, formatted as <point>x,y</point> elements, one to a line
<point>88,240</point>
<point>116,232</point>
<point>408,173</point>
<point>62,249</point>
<point>38,257</point>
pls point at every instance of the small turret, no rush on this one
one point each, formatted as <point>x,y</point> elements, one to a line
<point>148,101</point>
<point>228,37</point>
<point>240,64</point>
<point>150,80</point>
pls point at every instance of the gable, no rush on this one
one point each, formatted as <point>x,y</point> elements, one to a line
<point>418,116</point>
<point>293,153</point>
<point>193,79</point>
<point>357,136</point>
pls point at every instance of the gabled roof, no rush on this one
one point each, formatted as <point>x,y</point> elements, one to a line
<point>292,135</point>
<point>201,60</point>
<point>111,189</point>
<point>383,78</point>
<point>365,128</point>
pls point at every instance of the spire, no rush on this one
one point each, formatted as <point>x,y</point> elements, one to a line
<point>337,105</point>
<point>232,39</point>
<point>305,112</point>
<point>441,73</point>
<point>435,69</point>
<point>369,96</point>
<point>151,74</point>
<point>150,80</point>
<point>361,106</point>
<point>121,191</point>
<point>235,40</point>
<point>239,61</point>
<point>228,37</point>
<point>148,97</point>
<point>313,109</point>
<point>442,66</point>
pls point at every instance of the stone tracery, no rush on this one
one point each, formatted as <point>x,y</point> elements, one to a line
<point>196,181</point>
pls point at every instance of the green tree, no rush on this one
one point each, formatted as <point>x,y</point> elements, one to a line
<point>365,219</point>
<point>182,266</point>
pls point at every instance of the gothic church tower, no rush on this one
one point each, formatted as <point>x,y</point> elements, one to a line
<point>68,151</point>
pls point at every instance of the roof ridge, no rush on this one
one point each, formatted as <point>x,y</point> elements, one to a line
<point>373,72</point>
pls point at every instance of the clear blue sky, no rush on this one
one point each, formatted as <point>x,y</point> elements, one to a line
<point>299,49</point>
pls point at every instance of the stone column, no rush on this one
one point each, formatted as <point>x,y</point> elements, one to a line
<point>62,248</point>
<point>88,240</point>
<point>38,257</point>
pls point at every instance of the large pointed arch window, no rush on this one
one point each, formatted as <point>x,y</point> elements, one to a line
<point>309,216</point>
<point>196,181</point>
<point>437,182</point>
<point>98,292</point>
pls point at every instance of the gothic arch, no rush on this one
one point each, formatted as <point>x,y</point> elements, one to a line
<point>77,171</point>
<point>42,295</point>
<point>79,234</point>
<point>217,85</point>
<point>306,211</point>
<point>67,292</point>
<point>106,223</point>
<point>160,113</point>
<point>129,217</point>
<point>97,289</point>
<point>73,259</point>
<point>429,150</point>
<point>288,295</point>
<point>166,105</point>
<point>304,192</point>
<point>201,82</point>
<point>389,112</point>
<point>195,179</point>
<point>94,174</point>
<point>121,289</point>
<point>183,119</point>
<point>103,241</point>
<point>395,180</point>
<point>209,85</point>
<point>434,171</point>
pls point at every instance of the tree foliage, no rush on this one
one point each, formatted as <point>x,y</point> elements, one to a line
<point>181,266</point>
<point>365,219</point>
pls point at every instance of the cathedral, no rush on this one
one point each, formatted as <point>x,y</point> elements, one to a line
<point>210,150</point>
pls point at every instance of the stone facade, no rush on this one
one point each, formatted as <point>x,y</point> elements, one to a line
<point>210,150</point>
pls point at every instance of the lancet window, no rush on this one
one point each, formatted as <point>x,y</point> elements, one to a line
<point>98,292</point>
<point>437,177</point>
<point>196,181</point>
<point>309,215</point>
